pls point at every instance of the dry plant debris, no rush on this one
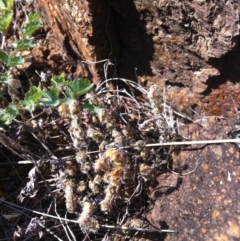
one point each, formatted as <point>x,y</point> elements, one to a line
<point>105,179</point>
<point>90,175</point>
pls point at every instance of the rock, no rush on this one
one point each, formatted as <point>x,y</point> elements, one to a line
<point>202,205</point>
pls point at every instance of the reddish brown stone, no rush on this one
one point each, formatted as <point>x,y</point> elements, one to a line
<point>203,205</point>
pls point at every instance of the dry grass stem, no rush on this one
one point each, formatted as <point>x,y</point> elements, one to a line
<point>206,142</point>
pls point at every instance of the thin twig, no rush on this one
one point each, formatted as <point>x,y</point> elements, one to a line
<point>16,163</point>
<point>62,224</point>
<point>184,174</point>
<point>50,232</point>
<point>129,82</point>
<point>138,229</point>
<point>124,92</point>
<point>179,143</point>
<point>206,142</point>
<point>101,226</point>
<point>28,129</point>
<point>96,62</point>
<point>70,231</point>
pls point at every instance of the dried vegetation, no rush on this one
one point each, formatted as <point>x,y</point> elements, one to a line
<point>89,174</point>
<point>104,178</point>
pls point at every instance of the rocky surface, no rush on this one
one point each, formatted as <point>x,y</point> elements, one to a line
<point>203,205</point>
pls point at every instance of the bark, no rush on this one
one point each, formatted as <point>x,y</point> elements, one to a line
<point>160,41</point>
<point>94,31</point>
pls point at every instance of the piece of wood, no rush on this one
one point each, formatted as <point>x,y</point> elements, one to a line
<point>178,42</point>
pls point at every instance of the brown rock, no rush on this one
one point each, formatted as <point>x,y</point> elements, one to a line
<point>203,205</point>
<point>224,101</point>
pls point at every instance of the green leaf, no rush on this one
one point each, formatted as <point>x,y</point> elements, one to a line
<point>29,105</point>
<point>50,97</point>
<point>31,98</point>
<point>4,79</point>
<point>68,101</point>
<point>6,115</point>
<point>78,87</point>
<point>23,44</point>
<point>5,120</point>
<point>5,20</point>
<point>2,5</point>
<point>6,4</point>
<point>34,17</point>
<point>90,106</point>
<point>3,57</point>
<point>12,110</point>
<point>59,80</point>
<point>9,4</point>
<point>31,27</point>
<point>15,60</point>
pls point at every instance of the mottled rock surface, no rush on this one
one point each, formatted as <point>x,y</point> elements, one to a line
<point>203,205</point>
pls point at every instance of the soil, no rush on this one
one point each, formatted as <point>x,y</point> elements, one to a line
<point>188,50</point>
